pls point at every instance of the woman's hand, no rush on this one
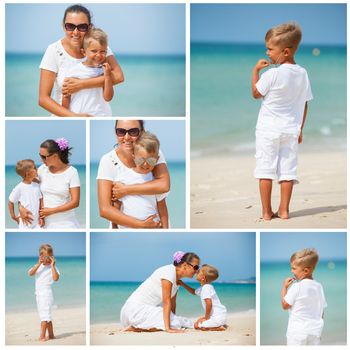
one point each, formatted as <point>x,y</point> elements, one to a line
<point>71,85</point>
<point>119,190</point>
<point>150,223</point>
<point>26,215</point>
<point>46,212</point>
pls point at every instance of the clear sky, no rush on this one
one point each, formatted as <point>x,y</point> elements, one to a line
<point>134,256</point>
<point>248,23</point>
<point>132,28</point>
<point>279,246</point>
<point>23,138</point>
<point>171,134</point>
<point>26,244</point>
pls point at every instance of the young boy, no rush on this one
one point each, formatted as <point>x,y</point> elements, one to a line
<point>92,101</point>
<point>28,194</point>
<point>305,300</point>
<point>146,155</point>
<point>45,273</point>
<point>285,91</point>
<point>215,313</point>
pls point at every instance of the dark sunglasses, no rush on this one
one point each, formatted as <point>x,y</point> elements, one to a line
<point>132,132</point>
<point>151,161</point>
<point>83,27</point>
<point>195,267</point>
<point>44,157</point>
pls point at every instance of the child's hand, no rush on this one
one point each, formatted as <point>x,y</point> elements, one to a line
<point>262,64</point>
<point>300,139</point>
<point>16,218</point>
<point>288,281</point>
<point>118,191</point>
<point>41,222</point>
<point>150,223</point>
<point>53,261</point>
<point>40,260</point>
<point>106,69</point>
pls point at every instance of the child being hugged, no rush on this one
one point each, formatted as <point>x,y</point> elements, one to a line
<point>146,155</point>
<point>304,298</point>
<point>92,101</point>
<point>45,273</point>
<point>215,313</point>
<point>27,194</point>
<point>285,91</point>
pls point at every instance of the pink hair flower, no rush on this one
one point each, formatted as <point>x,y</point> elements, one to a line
<point>62,143</point>
<point>178,256</point>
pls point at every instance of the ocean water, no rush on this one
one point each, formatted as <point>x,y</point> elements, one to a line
<point>107,299</point>
<point>224,114</point>
<point>153,86</point>
<point>274,320</point>
<point>68,291</point>
<point>12,179</point>
<point>176,200</point>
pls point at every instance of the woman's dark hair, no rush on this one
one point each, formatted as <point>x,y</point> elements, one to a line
<point>52,147</point>
<point>141,122</point>
<point>187,258</point>
<point>77,9</point>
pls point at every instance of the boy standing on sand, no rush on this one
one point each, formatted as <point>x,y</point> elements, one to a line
<point>285,91</point>
<point>305,300</point>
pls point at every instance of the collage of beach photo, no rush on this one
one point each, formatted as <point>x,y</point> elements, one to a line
<point>174,173</point>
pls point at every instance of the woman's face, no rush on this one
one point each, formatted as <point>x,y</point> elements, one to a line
<point>75,37</point>
<point>47,158</point>
<point>126,142</point>
<point>192,268</point>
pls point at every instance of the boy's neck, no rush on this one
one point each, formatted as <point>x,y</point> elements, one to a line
<point>27,181</point>
<point>203,283</point>
<point>90,64</point>
<point>309,277</point>
<point>289,60</point>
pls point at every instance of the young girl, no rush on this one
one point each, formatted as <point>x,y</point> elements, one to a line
<point>93,101</point>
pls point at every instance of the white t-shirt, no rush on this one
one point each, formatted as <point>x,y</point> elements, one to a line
<point>57,60</point>
<point>43,279</point>
<point>90,101</point>
<point>308,303</point>
<point>208,292</point>
<point>150,291</point>
<point>55,189</point>
<point>29,196</point>
<point>286,89</point>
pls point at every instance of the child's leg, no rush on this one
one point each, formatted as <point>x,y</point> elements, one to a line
<point>286,195</point>
<point>50,330</point>
<point>265,186</point>
<point>43,327</point>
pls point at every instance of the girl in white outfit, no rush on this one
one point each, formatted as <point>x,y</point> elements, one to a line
<point>151,307</point>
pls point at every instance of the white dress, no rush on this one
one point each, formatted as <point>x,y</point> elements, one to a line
<point>55,189</point>
<point>143,308</point>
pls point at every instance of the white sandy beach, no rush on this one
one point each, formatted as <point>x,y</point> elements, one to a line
<point>22,328</point>
<point>240,331</point>
<point>225,194</point>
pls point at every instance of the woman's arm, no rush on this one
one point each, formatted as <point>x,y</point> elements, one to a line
<point>173,304</point>
<point>73,203</point>
<point>161,184</point>
<point>113,214</point>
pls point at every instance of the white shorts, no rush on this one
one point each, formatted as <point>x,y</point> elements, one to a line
<point>303,339</point>
<point>213,322</point>
<point>276,156</point>
<point>44,304</point>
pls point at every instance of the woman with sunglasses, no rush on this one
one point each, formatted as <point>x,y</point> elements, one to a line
<point>59,185</point>
<point>119,160</point>
<point>152,306</point>
<point>64,54</point>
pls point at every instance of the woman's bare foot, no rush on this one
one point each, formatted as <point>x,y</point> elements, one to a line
<point>284,215</point>
<point>43,339</point>
<point>217,329</point>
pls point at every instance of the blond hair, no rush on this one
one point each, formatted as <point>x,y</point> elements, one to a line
<point>210,272</point>
<point>148,142</point>
<point>95,34</point>
<point>46,248</point>
<point>305,258</point>
<point>22,166</point>
<point>285,35</point>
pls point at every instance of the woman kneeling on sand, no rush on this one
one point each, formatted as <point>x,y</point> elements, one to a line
<point>152,306</point>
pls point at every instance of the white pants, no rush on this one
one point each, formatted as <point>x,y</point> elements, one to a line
<point>214,322</point>
<point>303,339</point>
<point>276,156</point>
<point>44,304</point>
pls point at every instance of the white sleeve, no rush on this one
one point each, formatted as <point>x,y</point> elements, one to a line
<point>309,96</point>
<point>324,302</point>
<point>207,291</point>
<point>105,168</point>
<point>198,291</point>
<point>109,52</point>
<point>161,158</point>
<point>168,274</point>
<point>74,181</point>
<point>58,271</point>
<point>292,293</point>
<point>161,196</point>
<point>15,195</point>
<point>50,59</point>
<point>264,83</point>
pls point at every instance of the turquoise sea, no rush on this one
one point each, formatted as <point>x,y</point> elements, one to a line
<point>224,114</point>
<point>69,291</point>
<point>176,200</point>
<point>107,299</point>
<point>274,320</point>
<point>153,86</point>
<point>12,179</point>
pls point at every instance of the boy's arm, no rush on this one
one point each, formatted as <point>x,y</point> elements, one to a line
<point>108,91</point>
<point>66,101</point>
<point>187,287</point>
<point>208,308</point>
<point>255,76</point>
<point>41,220</point>
<point>163,213</point>
<point>34,269</point>
<point>11,207</point>
<point>300,140</point>
<point>287,282</point>
<point>55,275</point>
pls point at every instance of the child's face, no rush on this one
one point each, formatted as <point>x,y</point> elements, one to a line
<point>298,271</point>
<point>274,52</point>
<point>145,162</point>
<point>46,258</point>
<point>200,277</point>
<point>95,53</point>
<point>31,173</point>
